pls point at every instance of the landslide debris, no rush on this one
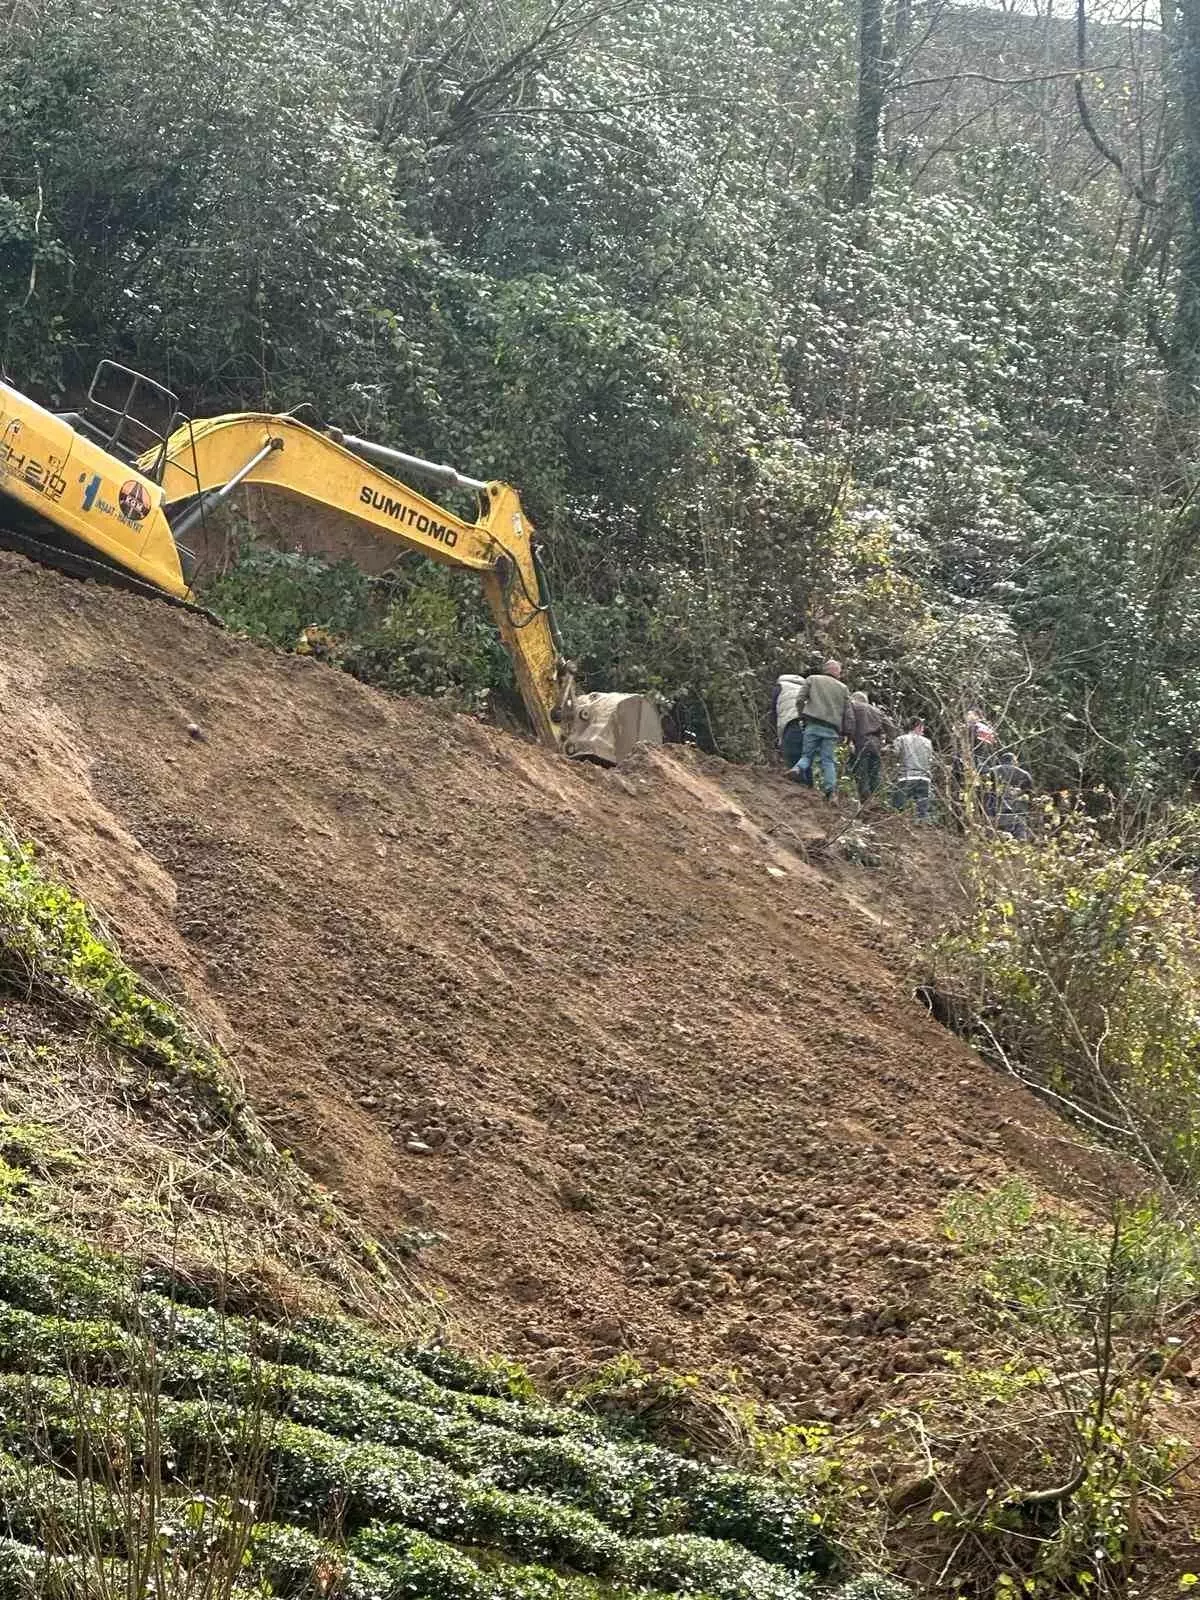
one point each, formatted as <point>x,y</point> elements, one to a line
<point>651,1079</point>
<point>120,1121</point>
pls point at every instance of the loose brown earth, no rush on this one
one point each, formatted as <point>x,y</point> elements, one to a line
<point>655,1082</point>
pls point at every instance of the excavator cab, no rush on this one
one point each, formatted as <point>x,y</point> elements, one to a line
<point>129,415</point>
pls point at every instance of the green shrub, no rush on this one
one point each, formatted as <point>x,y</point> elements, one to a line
<point>689,1562</point>
<point>30,1573</point>
<point>1051,1273</point>
<point>1078,964</point>
<point>321,1346</point>
<point>502,1380</point>
<point>388,1563</point>
<point>42,1274</point>
<point>873,1586</point>
<point>108,1382</point>
<point>42,1506</point>
<point>631,1486</point>
<point>422,629</point>
<point>311,1472</point>
<point>276,594</point>
<point>50,947</point>
<point>410,1564</point>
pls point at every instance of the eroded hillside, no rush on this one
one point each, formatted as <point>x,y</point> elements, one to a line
<point>653,1081</point>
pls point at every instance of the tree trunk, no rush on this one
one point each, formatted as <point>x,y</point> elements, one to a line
<point>872,78</point>
<point>1184,44</point>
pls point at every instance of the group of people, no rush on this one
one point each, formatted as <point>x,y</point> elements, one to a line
<point>1001,786</point>
<point>813,714</point>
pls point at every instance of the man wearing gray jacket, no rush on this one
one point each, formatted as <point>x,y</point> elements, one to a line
<point>914,777</point>
<point>811,715</point>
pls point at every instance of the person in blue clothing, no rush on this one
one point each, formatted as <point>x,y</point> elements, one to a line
<point>821,705</point>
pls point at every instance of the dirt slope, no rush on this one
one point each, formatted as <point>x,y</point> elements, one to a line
<point>655,1083</point>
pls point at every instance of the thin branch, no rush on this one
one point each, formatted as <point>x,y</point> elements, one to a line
<point>1094,1053</point>
<point>1002,83</point>
<point>1085,114</point>
<point>37,230</point>
<point>1038,1088</point>
<point>1104,1362</point>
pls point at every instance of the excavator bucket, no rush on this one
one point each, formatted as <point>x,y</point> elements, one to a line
<point>609,727</point>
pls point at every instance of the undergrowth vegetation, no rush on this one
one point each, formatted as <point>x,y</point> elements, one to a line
<point>1055,1449</point>
<point>420,630</point>
<point>51,950</point>
<point>1077,967</point>
<point>1052,1454</point>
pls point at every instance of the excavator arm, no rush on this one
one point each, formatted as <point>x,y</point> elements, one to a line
<point>103,493</point>
<point>204,459</point>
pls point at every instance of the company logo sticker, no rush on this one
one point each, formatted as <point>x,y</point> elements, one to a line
<point>133,500</point>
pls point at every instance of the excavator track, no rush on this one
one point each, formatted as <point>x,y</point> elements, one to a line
<point>53,553</point>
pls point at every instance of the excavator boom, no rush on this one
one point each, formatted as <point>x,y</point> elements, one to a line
<point>73,497</point>
<point>203,459</point>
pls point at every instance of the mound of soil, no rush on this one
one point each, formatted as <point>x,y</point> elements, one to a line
<point>653,1080</point>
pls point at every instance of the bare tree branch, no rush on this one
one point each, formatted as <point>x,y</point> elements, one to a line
<point>1003,83</point>
<point>1085,114</point>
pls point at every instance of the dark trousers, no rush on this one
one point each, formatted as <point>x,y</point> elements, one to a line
<point>1014,823</point>
<point>915,792</point>
<point>792,742</point>
<point>867,768</point>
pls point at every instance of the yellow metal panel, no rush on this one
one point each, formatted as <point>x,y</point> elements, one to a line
<point>312,466</point>
<point>75,486</point>
<point>89,499</point>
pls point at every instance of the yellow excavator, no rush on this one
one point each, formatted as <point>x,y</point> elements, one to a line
<point>116,489</point>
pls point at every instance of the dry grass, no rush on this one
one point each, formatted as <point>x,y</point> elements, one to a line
<point>88,1149</point>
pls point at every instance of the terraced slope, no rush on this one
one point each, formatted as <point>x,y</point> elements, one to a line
<point>156,1441</point>
<point>141,1432</point>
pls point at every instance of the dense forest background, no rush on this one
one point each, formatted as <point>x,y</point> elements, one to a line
<point>805,326</point>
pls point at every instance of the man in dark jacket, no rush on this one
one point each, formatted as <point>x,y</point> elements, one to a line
<point>868,730</point>
<point>823,704</point>
<point>1006,796</point>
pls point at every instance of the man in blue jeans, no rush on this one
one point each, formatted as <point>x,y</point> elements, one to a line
<point>823,705</point>
<point>789,725</point>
